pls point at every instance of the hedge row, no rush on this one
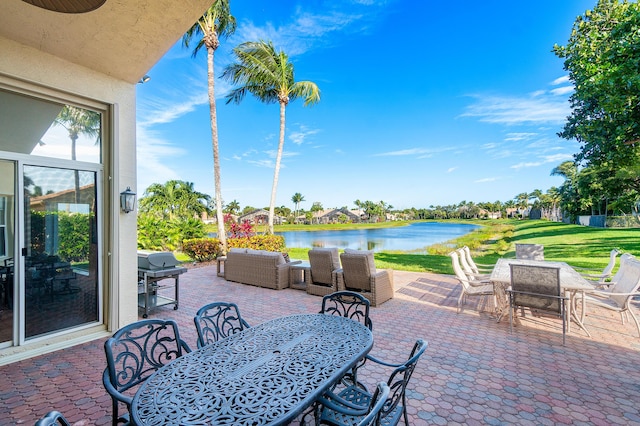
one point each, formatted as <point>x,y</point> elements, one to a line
<point>205,249</point>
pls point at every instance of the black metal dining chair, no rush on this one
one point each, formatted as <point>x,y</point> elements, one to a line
<point>348,304</point>
<point>338,411</point>
<point>53,418</point>
<point>356,394</point>
<point>216,321</point>
<point>134,353</point>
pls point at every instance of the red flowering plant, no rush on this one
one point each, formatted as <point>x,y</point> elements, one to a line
<point>238,230</point>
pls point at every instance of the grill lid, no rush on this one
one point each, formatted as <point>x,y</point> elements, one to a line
<point>156,260</point>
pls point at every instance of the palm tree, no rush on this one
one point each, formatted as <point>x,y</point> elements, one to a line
<point>522,201</point>
<point>78,121</point>
<point>268,75</point>
<point>216,22</point>
<point>297,199</point>
<point>232,208</point>
<point>175,199</point>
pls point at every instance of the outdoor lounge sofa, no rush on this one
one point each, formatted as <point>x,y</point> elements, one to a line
<point>257,267</point>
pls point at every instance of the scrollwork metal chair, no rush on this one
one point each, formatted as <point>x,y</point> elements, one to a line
<point>348,304</point>
<point>395,407</point>
<point>134,353</point>
<point>216,321</point>
<point>53,418</point>
<point>338,411</point>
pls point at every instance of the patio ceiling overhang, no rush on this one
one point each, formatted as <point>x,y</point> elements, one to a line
<point>121,38</point>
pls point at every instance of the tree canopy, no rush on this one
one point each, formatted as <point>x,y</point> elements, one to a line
<point>602,57</point>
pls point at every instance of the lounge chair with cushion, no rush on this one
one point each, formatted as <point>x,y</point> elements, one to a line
<point>322,279</point>
<point>359,274</point>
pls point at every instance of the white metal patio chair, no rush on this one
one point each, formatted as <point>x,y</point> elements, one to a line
<point>624,286</point>
<point>469,287</point>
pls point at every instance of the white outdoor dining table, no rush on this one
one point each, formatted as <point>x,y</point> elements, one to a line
<point>264,375</point>
<point>571,283</point>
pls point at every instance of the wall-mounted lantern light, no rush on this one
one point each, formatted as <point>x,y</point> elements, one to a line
<point>127,200</point>
<point>144,79</point>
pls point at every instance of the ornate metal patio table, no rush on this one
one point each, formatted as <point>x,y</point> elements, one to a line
<point>264,375</point>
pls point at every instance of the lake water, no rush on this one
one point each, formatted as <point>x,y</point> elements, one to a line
<point>414,237</point>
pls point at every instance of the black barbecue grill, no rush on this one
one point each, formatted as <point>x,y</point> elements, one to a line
<point>154,267</point>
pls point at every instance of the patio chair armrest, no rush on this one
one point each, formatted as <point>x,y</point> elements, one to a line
<point>381,362</point>
<point>596,276</point>
<point>185,346</point>
<point>106,381</point>
<point>340,279</point>
<point>478,282</point>
<point>608,294</point>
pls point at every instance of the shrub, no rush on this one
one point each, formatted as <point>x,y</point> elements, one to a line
<point>258,242</point>
<point>158,234</point>
<point>202,249</point>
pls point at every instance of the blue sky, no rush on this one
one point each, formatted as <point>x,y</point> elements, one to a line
<point>422,103</point>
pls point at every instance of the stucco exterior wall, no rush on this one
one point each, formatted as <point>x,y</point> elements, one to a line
<point>44,73</point>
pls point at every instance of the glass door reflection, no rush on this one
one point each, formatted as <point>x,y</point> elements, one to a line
<point>60,225</point>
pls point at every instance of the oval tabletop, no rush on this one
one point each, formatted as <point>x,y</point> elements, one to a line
<point>263,375</point>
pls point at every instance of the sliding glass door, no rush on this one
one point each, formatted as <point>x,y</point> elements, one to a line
<point>60,255</point>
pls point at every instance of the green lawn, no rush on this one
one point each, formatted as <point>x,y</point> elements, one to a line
<point>577,245</point>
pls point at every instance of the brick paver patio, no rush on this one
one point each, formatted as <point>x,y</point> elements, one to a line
<point>473,372</point>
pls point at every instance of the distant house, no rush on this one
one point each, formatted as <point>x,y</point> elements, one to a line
<point>260,217</point>
<point>335,216</point>
<point>489,214</point>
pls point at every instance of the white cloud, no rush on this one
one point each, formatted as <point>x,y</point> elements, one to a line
<point>519,136</point>
<point>555,158</point>
<point>152,151</point>
<point>310,30</point>
<point>417,152</point>
<point>298,137</point>
<point>490,145</point>
<point>263,163</point>
<point>484,180</point>
<point>451,169</point>
<point>560,80</point>
<point>562,90</point>
<point>513,110</point>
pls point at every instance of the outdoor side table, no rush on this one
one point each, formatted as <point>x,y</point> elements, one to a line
<point>299,274</point>
<point>264,375</point>
<point>220,265</point>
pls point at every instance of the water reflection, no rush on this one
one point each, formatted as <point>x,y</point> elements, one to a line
<point>415,237</point>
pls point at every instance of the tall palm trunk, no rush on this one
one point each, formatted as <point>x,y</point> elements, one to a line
<point>216,153</point>
<point>272,204</point>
